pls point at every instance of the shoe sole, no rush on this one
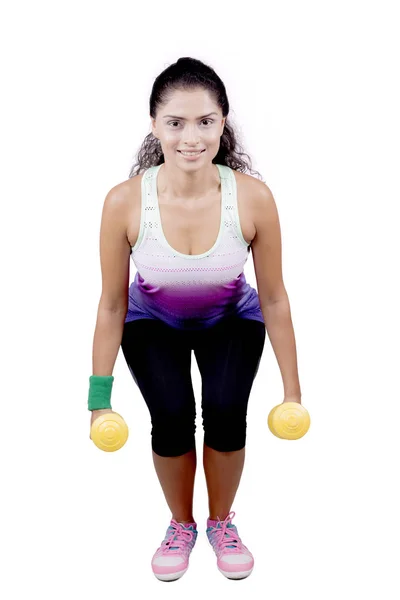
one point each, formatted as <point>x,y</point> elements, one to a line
<point>170,576</point>
<point>237,575</point>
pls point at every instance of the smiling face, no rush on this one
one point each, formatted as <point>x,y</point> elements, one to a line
<point>190,120</point>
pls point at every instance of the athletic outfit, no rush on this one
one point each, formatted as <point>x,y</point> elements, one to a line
<point>179,303</point>
<point>191,292</point>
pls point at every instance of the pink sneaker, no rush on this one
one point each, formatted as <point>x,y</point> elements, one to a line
<point>171,560</point>
<point>234,560</point>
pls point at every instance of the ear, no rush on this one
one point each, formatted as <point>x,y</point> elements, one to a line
<point>223,125</point>
<point>153,126</point>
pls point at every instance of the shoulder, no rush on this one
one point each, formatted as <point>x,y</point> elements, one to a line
<point>254,186</point>
<point>121,197</point>
<point>257,193</point>
<point>129,186</point>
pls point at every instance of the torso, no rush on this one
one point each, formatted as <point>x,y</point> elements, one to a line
<point>192,230</point>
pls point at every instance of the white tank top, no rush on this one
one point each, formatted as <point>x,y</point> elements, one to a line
<point>190,291</point>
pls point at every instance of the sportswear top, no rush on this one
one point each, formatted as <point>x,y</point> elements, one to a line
<point>190,291</point>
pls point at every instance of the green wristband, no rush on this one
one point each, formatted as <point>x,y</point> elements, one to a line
<point>100,392</point>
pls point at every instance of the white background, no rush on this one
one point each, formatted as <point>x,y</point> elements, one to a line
<point>313,88</point>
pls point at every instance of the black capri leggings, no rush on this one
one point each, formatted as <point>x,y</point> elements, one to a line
<point>228,355</point>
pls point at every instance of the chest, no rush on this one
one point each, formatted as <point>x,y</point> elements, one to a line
<point>192,228</point>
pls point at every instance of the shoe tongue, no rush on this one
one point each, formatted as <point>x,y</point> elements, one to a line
<point>229,526</point>
<point>171,528</point>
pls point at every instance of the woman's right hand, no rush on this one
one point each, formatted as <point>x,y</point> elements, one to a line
<point>97,413</point>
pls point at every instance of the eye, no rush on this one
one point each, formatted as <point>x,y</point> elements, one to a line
<point>203,120</point>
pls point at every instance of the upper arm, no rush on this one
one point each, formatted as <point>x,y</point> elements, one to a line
<point>114,251</point>
<point>267,246</point>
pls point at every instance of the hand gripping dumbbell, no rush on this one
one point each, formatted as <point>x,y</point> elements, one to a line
<point>109,431</point>
<point>289,421</point>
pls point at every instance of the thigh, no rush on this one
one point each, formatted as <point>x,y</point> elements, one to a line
<point>228,355</point>
<point>159,359</point>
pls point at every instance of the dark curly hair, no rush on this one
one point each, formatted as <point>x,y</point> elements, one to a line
<point>186,74</point>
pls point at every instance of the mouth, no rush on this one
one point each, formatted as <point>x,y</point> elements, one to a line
<point>189,154</point>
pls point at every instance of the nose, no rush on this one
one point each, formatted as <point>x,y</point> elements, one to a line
<point>191,136</point>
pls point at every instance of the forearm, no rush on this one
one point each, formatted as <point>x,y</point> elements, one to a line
<point>107,340</point>
<point>279,326</point>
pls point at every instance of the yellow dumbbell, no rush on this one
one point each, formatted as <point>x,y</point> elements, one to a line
<point>289,421</point>
<point>109,432</point>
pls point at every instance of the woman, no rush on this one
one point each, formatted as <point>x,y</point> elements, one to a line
<point>188,216</point>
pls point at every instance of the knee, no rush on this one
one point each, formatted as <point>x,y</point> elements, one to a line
<point>169,449</point>
<point>225,443</point>
<point>225,433</point>
<point>173,437</point>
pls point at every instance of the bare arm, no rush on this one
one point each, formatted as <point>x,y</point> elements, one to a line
<point>114,256</point>
<point>107,340</point>
<point>274,301</point>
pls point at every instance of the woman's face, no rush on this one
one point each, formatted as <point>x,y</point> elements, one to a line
<point>189,121</point>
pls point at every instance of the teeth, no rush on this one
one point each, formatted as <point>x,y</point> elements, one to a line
<point>191,153</point>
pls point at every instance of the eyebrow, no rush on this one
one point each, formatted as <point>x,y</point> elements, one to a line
<point>183,118</point>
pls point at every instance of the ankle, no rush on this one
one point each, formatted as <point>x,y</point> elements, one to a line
<point>184,521</point>
<point>221,516</point>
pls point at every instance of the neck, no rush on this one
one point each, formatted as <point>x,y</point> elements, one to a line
<point>183,186</point>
